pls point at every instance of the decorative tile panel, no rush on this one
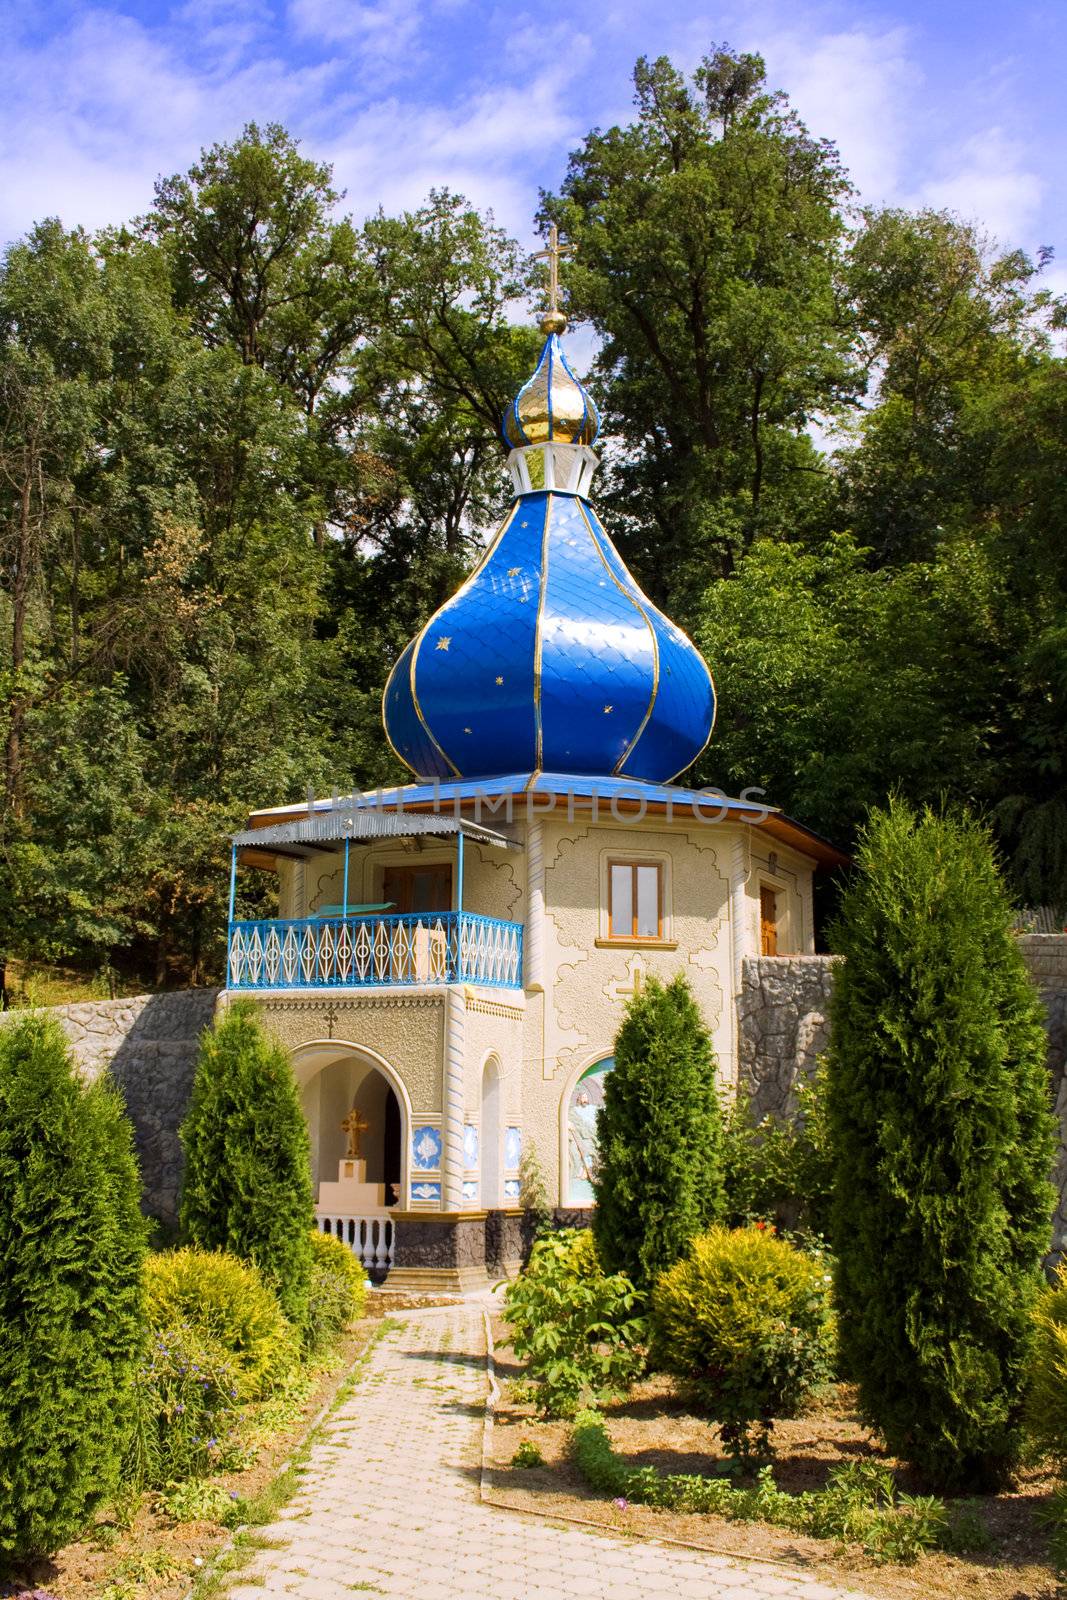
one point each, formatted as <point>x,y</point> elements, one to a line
<point>511,1189</point>
<point>426,1191</point>
<point>470,1146</point>
<point>470,1189</point>
<point>512,1149</point>
<point>426,1148</point>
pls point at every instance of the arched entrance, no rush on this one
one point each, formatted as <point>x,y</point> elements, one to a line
<point>336,1079</point>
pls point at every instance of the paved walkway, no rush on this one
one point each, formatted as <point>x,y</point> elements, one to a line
<point>389,1504</point>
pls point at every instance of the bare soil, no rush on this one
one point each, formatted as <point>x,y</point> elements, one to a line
<point>652,1427</point>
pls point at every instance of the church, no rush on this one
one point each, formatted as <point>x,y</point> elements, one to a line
<point>452,957</point>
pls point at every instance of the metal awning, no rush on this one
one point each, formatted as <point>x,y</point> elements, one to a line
<point>323,832</point>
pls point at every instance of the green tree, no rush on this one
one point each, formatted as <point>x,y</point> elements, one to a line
<point>659,1168</point>
<point>938,1105</point>
<point>72,1241</point>
<point>839,682</point>
<point>709,240</point>
<point>247,1183</point>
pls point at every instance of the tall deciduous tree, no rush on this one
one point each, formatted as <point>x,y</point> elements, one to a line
<point>709,252</point>
<point>944,1138</point>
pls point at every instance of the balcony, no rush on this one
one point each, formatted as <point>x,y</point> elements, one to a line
<point>373,952</point>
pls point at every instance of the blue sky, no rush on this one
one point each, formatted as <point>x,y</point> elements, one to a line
<point>951,104</point>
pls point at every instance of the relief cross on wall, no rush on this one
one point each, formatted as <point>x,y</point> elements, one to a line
<point>633,983</point>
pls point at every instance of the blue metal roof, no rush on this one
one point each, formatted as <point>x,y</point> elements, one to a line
<point>549,657</point>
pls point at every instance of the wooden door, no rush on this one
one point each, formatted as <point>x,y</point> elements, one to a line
<point>768,921</point>
<point>414,889</point>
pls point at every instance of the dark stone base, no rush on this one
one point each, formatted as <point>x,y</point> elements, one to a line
<point>461,1250</point>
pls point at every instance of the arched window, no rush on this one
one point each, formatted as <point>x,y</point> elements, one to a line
<point>583,1110</point>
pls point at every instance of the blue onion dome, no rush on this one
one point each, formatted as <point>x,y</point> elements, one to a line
<point>549,657</point>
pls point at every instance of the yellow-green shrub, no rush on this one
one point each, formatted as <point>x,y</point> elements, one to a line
<point>744,1322</point>
<point>228,1300</point>
<point>1046,1399</point>
<point>338,1288</point>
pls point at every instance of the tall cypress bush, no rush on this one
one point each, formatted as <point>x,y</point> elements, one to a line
<point>938,1101</point>
<point>659,1136</point>
<point>247,1185</point>
<point>72,1242</point>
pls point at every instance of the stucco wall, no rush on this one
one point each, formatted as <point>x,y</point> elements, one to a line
<point>150,1044</point>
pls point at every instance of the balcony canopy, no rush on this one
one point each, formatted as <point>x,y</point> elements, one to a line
<point>307,836</point>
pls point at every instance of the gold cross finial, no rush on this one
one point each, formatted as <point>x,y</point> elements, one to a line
<point>354,1125</point>
<point>553,320</point>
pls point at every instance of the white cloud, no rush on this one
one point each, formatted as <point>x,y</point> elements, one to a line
<point>858,88</point>
<point>384,31</point>
<point>988,179</point>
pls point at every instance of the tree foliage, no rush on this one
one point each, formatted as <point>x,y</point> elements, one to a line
<point>247,1182</point>
<point>249,441</point>
<point>658,1180</point>
<point>943,1140</point>
<point>72,1327</point>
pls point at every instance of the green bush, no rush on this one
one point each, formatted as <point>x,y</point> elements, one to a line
<point>1046,1398</point>
<point>187,1407</point>
<point>338,1289</point>
<point>72,1332</point>
<point>780,1172</point>
<point>247,1186</point>
<point>659,1136</point>
<point>938,1101</point>
<point>225,1300</point>
<point>577,1328</point>
<point>744,1323</point>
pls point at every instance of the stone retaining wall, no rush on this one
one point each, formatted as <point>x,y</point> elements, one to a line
<point>783,1026</point>
<point>150,1044</point>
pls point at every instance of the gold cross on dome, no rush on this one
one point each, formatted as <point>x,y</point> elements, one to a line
<point>553,255</point>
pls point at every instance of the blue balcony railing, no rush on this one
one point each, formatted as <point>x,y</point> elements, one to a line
<point>370,952</point>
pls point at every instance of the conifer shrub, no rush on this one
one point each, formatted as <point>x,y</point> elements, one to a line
<point>72,1327</point>
<point>578,1329</point>
<point>338,1289</point>
<point>247,1186</point>
<point>1046,1398</point>
<point>743,1322</point>
<point>224,1300</point>
<point>938,1101</point>
<point>658,1181</point>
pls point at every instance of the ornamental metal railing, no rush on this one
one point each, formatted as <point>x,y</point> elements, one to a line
<point>369,952</point>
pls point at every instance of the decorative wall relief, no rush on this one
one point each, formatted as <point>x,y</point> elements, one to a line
<point>426,1191</point>
<point>512,1149</point>
<point>426,1148</point>
<point>470,1146</point>
<point>583,1111</point>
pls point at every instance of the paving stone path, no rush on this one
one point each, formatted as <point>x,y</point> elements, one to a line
<point>389,1503</point>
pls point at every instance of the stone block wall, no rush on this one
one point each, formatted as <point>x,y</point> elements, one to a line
<point>783,1026</point>
<point>150,1043</point>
